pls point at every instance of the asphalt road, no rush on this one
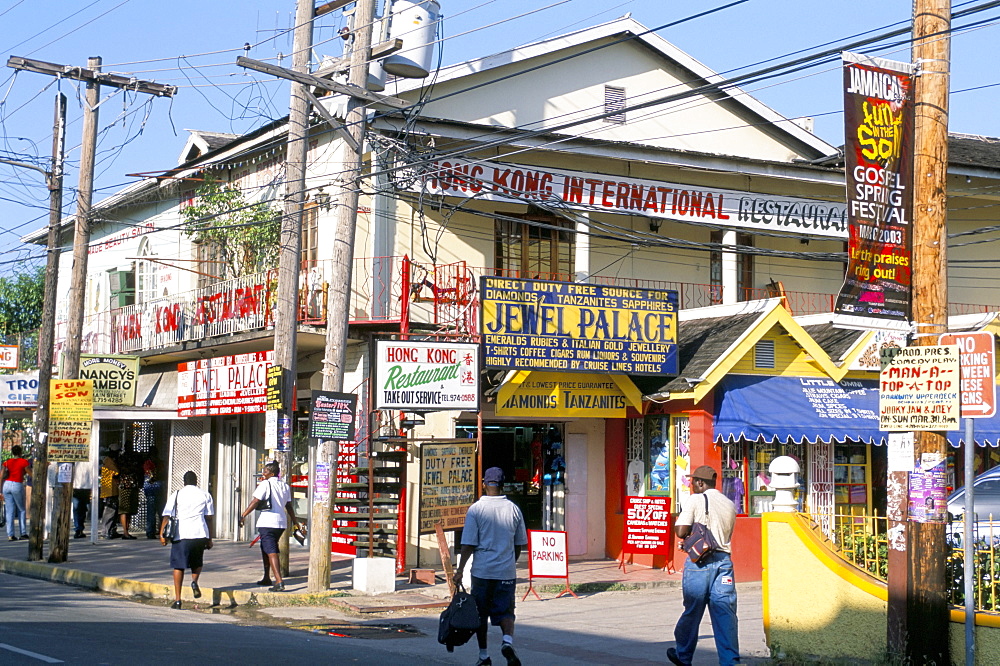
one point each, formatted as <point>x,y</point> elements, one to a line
<point>48,623</point>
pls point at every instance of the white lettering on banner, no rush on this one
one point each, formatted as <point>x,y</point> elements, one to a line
<point>226,385</point>
<point>503,182</point>
<point>119,238</point>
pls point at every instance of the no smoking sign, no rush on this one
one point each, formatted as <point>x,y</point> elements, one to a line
<point>977,361</point>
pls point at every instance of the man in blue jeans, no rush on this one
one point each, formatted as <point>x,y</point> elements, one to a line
<point>709,582</point>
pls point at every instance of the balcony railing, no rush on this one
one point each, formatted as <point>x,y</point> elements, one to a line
<point>391,291</point>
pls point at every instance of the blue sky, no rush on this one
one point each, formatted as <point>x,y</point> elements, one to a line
<point>194,45</point>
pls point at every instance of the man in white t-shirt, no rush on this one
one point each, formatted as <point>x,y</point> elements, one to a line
<point>274,494</point>
<point>194,510</point>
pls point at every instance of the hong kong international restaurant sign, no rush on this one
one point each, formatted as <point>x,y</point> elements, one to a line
<point>577,327</point>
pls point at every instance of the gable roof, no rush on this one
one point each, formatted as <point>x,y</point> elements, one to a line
<point>621,30</point>
<point>713,339</point>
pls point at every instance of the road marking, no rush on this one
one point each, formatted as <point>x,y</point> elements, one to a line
<point>33,655</point>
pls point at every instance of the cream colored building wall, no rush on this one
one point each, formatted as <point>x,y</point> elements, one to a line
<point>575,90</point>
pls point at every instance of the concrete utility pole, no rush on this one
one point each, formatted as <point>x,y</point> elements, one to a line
<point>927,622</point>
<point>94,78</point>
<point>46,333</point>
<point>343,255</point>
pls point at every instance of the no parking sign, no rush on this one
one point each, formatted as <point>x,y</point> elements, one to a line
<point>547,558</point>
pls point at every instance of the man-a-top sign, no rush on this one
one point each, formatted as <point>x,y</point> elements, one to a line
<point>226,385</point>
<point>919,389</point>
<point>878,154</point>
<point>426,376</point>
<point>575,327</point>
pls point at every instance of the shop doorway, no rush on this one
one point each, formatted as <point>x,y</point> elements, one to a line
<point>532,457</point>
<point>234,477</point>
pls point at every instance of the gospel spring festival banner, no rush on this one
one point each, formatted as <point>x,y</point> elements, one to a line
<point>878,154</point>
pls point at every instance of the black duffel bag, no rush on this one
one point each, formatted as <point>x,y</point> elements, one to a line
<point>459,621</point>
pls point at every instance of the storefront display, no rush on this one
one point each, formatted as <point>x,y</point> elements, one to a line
<point>534,464</point>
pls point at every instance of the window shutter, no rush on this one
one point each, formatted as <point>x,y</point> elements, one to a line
<point>614,101</point>
<point>763,354</point>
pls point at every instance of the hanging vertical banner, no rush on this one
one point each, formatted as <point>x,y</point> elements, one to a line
<point>878,164</point>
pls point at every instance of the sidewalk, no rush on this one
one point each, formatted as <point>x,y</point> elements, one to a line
<point>618,618</point>
<point>141,568</point>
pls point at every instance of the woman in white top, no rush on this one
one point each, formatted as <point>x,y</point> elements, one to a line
<point>276,496</point>
<point>194,509</point>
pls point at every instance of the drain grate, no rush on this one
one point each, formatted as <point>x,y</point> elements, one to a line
<point>369,631</point>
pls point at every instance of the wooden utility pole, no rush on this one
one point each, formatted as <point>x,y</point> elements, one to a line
<point>94,78</point>
<point>46,334</point>
<point>343,254</point>
<point>927,604</point>
<point>286,316</point>
<point>343,243</point>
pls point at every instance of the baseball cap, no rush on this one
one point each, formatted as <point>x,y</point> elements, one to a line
<point>493,476</point>
<point>705,472</point>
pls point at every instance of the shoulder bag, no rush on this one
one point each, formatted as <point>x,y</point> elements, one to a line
<point>171,528</point>
<point>265,504</point>
<point>700,542</point>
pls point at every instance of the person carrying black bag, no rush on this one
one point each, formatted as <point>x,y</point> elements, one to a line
<point>709,581</point>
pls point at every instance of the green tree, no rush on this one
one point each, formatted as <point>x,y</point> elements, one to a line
<point>21,312</point>
<point>243,235</point>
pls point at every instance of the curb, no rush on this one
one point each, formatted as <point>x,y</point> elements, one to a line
<point>134,588</point>
<point>230,598</point>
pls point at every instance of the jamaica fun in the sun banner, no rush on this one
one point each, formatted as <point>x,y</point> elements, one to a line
<point>878,152</point>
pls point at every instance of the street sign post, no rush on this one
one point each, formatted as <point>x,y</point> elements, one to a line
<point>978,376</point>
<point>979,400</point>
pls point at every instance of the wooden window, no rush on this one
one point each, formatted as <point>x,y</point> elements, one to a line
<point>744,263</point>
<point>534,246</point>
<point>310,236</point>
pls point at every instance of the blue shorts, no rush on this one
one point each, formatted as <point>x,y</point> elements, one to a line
<point>494,598</point>
<point>187,554</point>
<point>269,538</point>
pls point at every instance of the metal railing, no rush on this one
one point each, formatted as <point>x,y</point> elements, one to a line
<point>862,541</point>
<point>391,290</point>
<point>859,539</point>
<point>986,571</point>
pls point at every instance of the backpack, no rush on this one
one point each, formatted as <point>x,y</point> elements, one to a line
<point>459,621</point>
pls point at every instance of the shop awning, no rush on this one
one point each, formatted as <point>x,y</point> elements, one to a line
<point>803,409</point>
<point>797,410</point>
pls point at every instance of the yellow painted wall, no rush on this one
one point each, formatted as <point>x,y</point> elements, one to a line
<point>813,601</point>
<point>817,604</point>
<point>789,358</point>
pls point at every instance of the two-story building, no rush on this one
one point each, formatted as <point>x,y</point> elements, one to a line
<point>604,157</point>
